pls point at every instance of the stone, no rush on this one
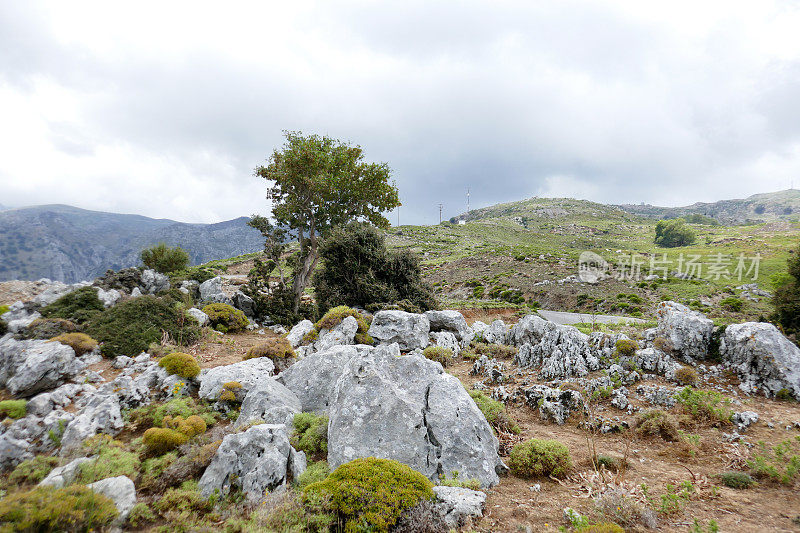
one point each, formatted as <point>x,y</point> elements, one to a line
<point>245,304</point>
<point>459,505</point>
<point>560,351</point>
<point>744,420</point>
<point>408,409</point>
<point>61,476</point>
<point>269,401</point>
<point>13,451</point>
<point>255,461</point>
<point>765,360</point>
<point>496,333</point>
<point>109,297</point>
<point>410,331</point>
<point>300,330</point>
<point>198,315</point>
<point>136,292</point>
<point>211,292</point>
<point>101,414</point>
<point>121,491</point>
<point>246,373</point>
<point>450,321</point>
<point>31,366</point>
<point>18,317</point>
<point>54,291</point>
<point>446,339</point>
<point>654,360</point>
<point>688,332</point>
<point>657,395</point>
<point>619,398</point>
<point>343,333</point>
<point>129,392</point>
<point>489,367</point>
<point>314,377</point>
<point>153,282</point>
<point>555,405</point>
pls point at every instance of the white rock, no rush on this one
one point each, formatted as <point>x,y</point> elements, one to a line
<point>61,476</point>
<point>688,332</point>
<point>247,373</point>
<point>198,315</point>
<point>300,330</point>
<point>121,491</point>
<point>409,331</point>
<point>459,505</point>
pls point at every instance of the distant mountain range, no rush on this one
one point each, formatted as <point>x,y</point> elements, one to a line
<point>69,244</point>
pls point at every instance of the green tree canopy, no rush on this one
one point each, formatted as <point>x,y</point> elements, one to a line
<point>673,233</point>
<point>317,183</point>
<point>787,298</point>
<point>164,259</point>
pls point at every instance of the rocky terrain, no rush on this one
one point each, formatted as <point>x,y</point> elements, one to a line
<point>683,424</point>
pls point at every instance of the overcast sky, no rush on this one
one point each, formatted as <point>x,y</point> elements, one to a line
<point>165,108</point>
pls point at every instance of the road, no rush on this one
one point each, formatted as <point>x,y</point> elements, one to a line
<point>562,317</point>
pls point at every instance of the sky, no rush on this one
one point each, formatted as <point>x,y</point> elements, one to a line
<point>165,108</point>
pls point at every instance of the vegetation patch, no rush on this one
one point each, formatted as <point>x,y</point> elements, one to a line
<point>225,317</point>
<point>334,317</point>
<point>80,342</point>
<point>686,375</point>
<point>626,347</point>
<point>32,471</point>
<point>78,306</point>
<point>278,349</point>
<point>155,414</point>
<point>47,328</point>
<point>439,354</point>
<point>496,351</point>
<point>708,406</point>
<point>72,508</point>
<point>14,408</point>
<point>310,433</point>
<point>316,472</point>
<point>657,423</point>
<point>736,480</point>
<point>540,458</point>
<point>164,259</point>
<point>112,460</point>
<point>779,463</point>
<point>180,364</point>
<point>494,412</point>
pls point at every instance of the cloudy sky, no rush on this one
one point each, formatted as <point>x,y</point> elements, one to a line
<point>165,108</point>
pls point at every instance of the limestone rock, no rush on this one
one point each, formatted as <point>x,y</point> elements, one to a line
<point>247,373</point>
<point>198,315</point>
<point>28,367</point>
<point>450,321</point>
<point>211,292</point>
<point>269,401</point>
<point>121,491</point>
<point>410,331</point>
<point>300,330</point>
<point>153,282</point>
<point>688,332</point>
<point>459,505</point>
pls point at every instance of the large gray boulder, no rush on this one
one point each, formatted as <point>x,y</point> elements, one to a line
<point>496,333</point>
<point>121,491</point>
<point>153,282</point>
<point>255,461</point>
<point>300,330</point>
<point>55,290</point>
<point>269,401</point>
<point>450,321</point>
<point>13,451</point>
<point>343,333</point>
<point>688,332</point>
<point>101,414</point>
<point>765,360</point>
<point>561,351</point>
<point>108,297</point>
<point>211,292</point>
<point>246,373</point>
<point>245,304</point>
<point>410,331</point>
<point>408,409</point>
<point>313,378</point>
<point>61,476</point>
<point>32,366</point>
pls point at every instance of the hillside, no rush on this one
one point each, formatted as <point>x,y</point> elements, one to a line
<point>757,208</point>
<point>69,244</point>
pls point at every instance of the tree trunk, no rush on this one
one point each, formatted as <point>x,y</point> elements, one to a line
<point>303,274</point>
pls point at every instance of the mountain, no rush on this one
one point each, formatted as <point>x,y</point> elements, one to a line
<point>69,244</point>
<point>544,209</point>
<point>757,208</point>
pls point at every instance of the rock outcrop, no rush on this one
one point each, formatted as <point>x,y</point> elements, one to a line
<point>408,330</point>
<point>687,332</point>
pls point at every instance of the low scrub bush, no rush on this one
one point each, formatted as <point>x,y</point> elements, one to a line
<point>455,480</point>
<point>779,463</point>
<point>164,259</point>
<point>732,303</point>
<point>708,406</point>
<point>540,458</point>
<point>197,455</point>
<point>736,480</point>
<point>112,460</point>
<point>153,469</point>
<point>140,515</point>
<point>626,347</point>
<point>310,433</point>
<point>154,414</point>
<point>286,513</point>
<point>315,473</point>
<point>161,440</point>
<point>77,306</point>
<point>226,316</point>
<point>32,471</point>
<point>80,342</point>
<point>441,355</point>
<point>131,326</point>
<point>657,423</point>
<point>231,392</point>
<point>686,375</point>
<point>73,508</point>
<point>277,349</point>
<point>494,412</point>
<point>14,408</point>
<point>602,527</point>
<point>180,364</point>
<point>619,508</point>
<point>372,493</point>
<point>333,317</point>
<point>183,508</point>
<point>496,351</point>
<point>47,328</point>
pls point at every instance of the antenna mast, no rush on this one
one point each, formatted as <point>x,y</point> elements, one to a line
<point>440,213</point>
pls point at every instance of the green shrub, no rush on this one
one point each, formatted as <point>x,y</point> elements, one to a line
<point>231,392</point>
<point>478,348</point>
<point>310,433</point>
<point>372,493</point>
<point>736,480</point>
<point>540,458</point>
<point>140,515</point>
<point>164,259</point>
<point>74,508</point>
<point>779,463</point>
<point>78,306</point>
<point>657,422</point>
<point>315,473</point>
<point>277,349</point>
<point>190,426</point>
<point>626,347</point>
<point>334,317</point>
<point>439,354</point>
<point>686,375</point>
<point>732,303</point>
<point>180,364</point>
<point>603,527</point>
<point>161,440</point>
<point>47,328</point>
<point>708,406</point>
<point>494,412</point>
<point>112,461</point>
<point>14,408</point>
<point>287,514</point>
<point>225,315</point>
<point>131,326</point>
<point>80,342</point>
<point>673,233</point>
<point>153,469</point>
<point>455,481</point>
<point>186,499</point>
<point>155,414</point>
<point>33,470</point>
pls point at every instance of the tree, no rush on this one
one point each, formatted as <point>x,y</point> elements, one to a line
<point>358,270</point>
<point>164,259</point>
<point>673,233</point>
<point>318,183</point>
<point>787,298</point>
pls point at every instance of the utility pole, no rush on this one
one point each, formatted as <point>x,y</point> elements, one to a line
<point>440,213</point>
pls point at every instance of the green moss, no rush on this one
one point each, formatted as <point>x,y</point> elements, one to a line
<point>112,461</point>
<point>225,315</point>
<point>180,364</point>
<point>372,493</point>
<point>495,412</point>
<point>315,473</point>
<point>154,468</point>
<point>540,458</point>
<point>80,342</point>
<point>439,354</point>
<point>46,509</point>
<point>33,470</point>
<point>310,433</point>
<point>78,306</point>
<point>14,408</point>
<point>334,317</point>
<point>161,440</point>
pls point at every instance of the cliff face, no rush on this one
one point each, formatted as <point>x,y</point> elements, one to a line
<point>70,244</point>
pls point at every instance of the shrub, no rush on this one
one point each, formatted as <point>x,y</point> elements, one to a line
<point>286,513</point>
<point>277,349</point>
<point>155,414</point>
<point>14,408</point>
<point>315,473</point>
<point>456,481</point>
<point>497,351</point>
<point>673,233</point>
<point>141,515</point>
<point>686,375</point>
<point>494,412</point>
<point>540,458</point>
<point>225,315</point>
<point>187,498</point>
<point>190,426</point>
<point>153,469</point>
<point>787,298</point>
<point>358,269</point>
<point>372,492</point>
<point>73,508</point>
<point>779,463</point>
<point>334,317</point>
<point>47,328</point>
<point>310,433</point>
<point>662,344</point>
<point>161,440</point>
<point>112,461</point>
<point>619,508</point>
<point>190,465</point>
<point>736,480</point>
<point>231,392</point>
<point>732,303</point>
<point>164,259</point>
<point>439,354</point>
<point>33,470</point>
<point>77,306</point>
<point>80,342</point>
<point>603,527</point>
<point>131,326</point>
<point>626,347</point>
<point>180,364</point>
<point>657,422</point>
<point>709,406</point>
